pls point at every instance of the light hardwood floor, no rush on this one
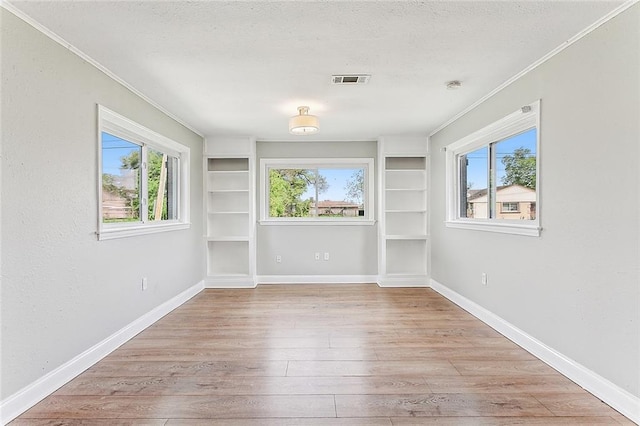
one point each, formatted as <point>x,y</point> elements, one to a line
<point>320,355</point>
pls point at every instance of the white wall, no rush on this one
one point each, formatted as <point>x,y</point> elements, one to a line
<point>576,288</point>
<point>352,249</point>
<point>62,290</point>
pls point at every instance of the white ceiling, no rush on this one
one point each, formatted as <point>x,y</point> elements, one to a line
<point>242,67</point>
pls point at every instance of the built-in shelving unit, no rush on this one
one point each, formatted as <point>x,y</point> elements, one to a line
<point>403,206</point>
<point>230,224</point>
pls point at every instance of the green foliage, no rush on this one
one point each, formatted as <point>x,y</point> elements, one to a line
<point>154,159</point>
<point>355,187</point>
<point>520,168</point>
<point>154,167</point>
<point>286,187</point>
<point>131,161</point>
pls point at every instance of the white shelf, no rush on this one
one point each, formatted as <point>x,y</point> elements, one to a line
<point>406,211</point>
<point>230,212</point>
<point>228,238</point>
<point>229,190</point>
<point>229,223</point>
<point>407,237</point>
<point>404,236</point>
<point>405,171</point>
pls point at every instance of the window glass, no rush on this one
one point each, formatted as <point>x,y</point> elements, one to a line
<point>499,179</point>
<point>510,207</point>
<point>161,185</point>
<point>120,179</point>
<point>515,164</point>
<point>143,179</point>
<point>474,177</point>
<point>316,192</point>
<point>492,176</point>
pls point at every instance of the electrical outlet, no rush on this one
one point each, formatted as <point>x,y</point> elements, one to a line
<point>484,278</point>
<point>145,283</point>
<point>278,259</point>
<point>317,256</point>
<point>326,256</point>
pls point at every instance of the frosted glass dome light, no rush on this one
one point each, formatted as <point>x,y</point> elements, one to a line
<point>303,123</point>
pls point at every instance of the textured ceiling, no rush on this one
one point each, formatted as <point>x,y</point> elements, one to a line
<point>242,68</point>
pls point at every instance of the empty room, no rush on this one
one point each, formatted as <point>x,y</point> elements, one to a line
<point>320,212</point>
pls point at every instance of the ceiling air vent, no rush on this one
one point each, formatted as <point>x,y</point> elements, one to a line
<point>350,79</point>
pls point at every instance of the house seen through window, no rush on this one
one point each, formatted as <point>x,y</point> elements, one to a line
<point>316,192</point>
<point>499,180</point>
<point>492,176</point>
<point>320,189</point>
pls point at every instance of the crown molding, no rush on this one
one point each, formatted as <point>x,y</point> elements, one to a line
<point>606,18</point>
<point>61,41</point>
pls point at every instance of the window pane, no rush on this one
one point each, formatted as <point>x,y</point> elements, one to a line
<point>161,184</point>
<point>293,192</point>
<point>120,179</point>
<point>473,184</point>
<point>516,176</point>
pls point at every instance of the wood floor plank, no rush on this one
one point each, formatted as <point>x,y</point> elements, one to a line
<point>221,385</point>
<point>231,343</point>
<point>421,341</point>
<point>369,368</point>
<point>502,384</point>
<point>572,404</point>
<point>502,421</point>
<point>229,354</point>
<point>88,422</point>
<point>320,355</point>
<point>475,405</point>
<point>284,422</point>
<point>187,368</point>
<point>495,367</point>
<point>469,353</point>
<point>194,407</point>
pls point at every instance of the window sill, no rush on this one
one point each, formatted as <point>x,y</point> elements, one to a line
<point>501,227</point>
<point>315,222</point>
<point>132,231</point>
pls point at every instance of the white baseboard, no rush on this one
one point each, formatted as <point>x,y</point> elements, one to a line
<point>618,398</point>
<point>230,282</point>
<point>316,279</point>
<point>21,401</point>
<point>403,281</point>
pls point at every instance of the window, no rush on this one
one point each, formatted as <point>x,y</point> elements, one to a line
<point>329,191</point>
<point>144,179</point>
<point>510,207</point>
<point>493,174</point>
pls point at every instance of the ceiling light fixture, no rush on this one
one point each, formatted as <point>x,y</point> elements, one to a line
<point>303,123</point>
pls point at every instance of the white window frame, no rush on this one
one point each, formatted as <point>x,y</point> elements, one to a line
<point>517,205</point>
<point>313,163</point>
<point>119,126</point>
<point>517,122</point>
